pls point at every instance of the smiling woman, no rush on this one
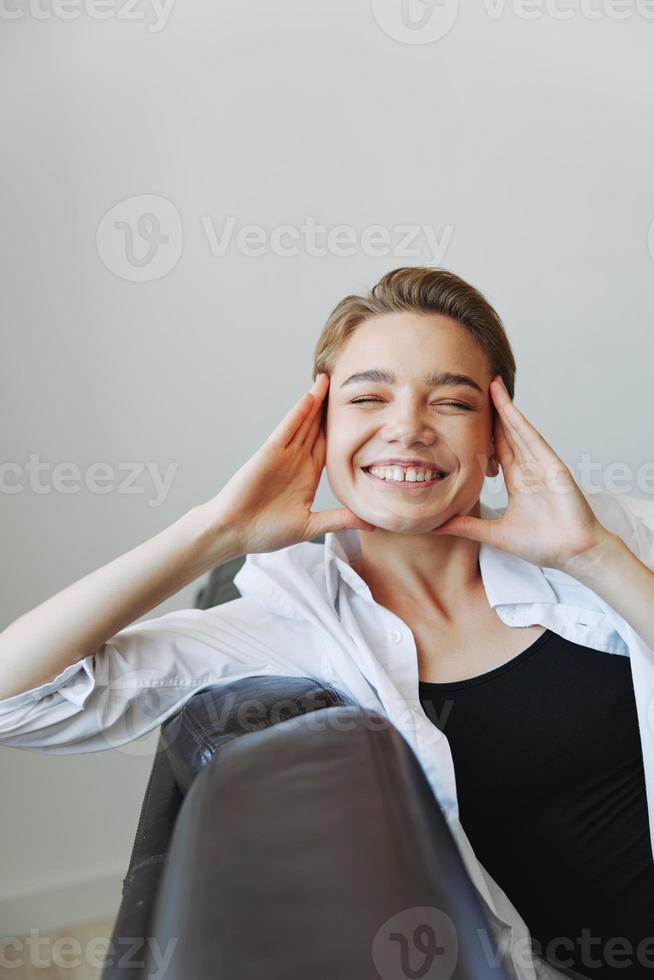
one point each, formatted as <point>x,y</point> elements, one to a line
<point>419,412</point>
<point>412,598</point>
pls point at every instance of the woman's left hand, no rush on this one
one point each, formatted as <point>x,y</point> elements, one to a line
<point>548,521</point>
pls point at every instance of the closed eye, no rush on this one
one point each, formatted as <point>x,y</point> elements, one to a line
<point>361,401</point>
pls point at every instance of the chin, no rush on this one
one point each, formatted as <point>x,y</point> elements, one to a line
<point>401,523</point>
<point>408,525</point>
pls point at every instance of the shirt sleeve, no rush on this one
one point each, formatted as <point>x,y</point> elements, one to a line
<point>631,518</point>
<point>138,679</point>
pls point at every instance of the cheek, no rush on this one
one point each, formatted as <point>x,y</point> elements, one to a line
<point>342,440</point>
<point>476,439</point>
<point>335,453</point>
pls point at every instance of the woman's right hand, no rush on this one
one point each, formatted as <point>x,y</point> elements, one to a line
<point>266,505</point>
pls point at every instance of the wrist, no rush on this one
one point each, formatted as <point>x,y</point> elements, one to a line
<point>590,565</point>
<point>212,539</point>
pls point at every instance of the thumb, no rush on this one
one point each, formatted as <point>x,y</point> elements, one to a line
<point>336,519</point>
<point>471,528</point>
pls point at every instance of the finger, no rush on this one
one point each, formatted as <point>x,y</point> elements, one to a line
<point>284,432</point>
<point>318,390</point>
<point>309,434</point>
<point>319,448</point>
<point>502,446</point>
<point>335,519</point>
<point>520,473</point>
<point>503,452</point>
<point>503,407</point>
<point>537,445</point>
<point>472,528</point>
<point>526,434</point>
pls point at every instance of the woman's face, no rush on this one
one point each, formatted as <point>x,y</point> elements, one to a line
<point>409,410</point>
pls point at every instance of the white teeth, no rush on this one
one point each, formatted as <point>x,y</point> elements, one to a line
<point>412,473</point>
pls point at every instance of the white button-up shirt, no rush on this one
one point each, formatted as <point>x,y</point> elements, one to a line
<point>305,612</point>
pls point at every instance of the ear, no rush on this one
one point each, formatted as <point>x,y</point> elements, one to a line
<point>493,466</point>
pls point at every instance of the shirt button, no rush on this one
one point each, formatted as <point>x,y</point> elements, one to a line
<point>395,636</point>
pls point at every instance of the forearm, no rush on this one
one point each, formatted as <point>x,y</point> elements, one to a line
<point>615,574</point>
<point>78,620</point>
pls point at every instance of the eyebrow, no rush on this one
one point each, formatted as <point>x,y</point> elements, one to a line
<point>431,380</point>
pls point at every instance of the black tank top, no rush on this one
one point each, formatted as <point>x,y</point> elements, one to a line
<point>551,790</point>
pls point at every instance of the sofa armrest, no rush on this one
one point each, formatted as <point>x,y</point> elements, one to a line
<point>210,720</point>
<point>316,848</point>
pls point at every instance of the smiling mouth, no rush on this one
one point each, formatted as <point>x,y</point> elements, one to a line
<point>407,484</point>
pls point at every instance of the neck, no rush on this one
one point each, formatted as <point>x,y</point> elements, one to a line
<point>442,570</point>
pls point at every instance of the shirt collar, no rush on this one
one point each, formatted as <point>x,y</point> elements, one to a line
<point>507,579</point>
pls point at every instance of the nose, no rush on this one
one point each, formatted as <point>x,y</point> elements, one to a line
<point>410,425</point>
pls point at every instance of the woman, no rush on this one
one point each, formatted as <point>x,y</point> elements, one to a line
<point>482,640</point>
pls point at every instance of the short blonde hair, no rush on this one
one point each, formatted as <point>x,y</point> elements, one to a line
<point>420,290</point>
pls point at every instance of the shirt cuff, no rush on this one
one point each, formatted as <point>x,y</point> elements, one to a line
<point>75,683</point>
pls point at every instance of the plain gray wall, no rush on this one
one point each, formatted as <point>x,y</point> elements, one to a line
<point>524,143</point>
